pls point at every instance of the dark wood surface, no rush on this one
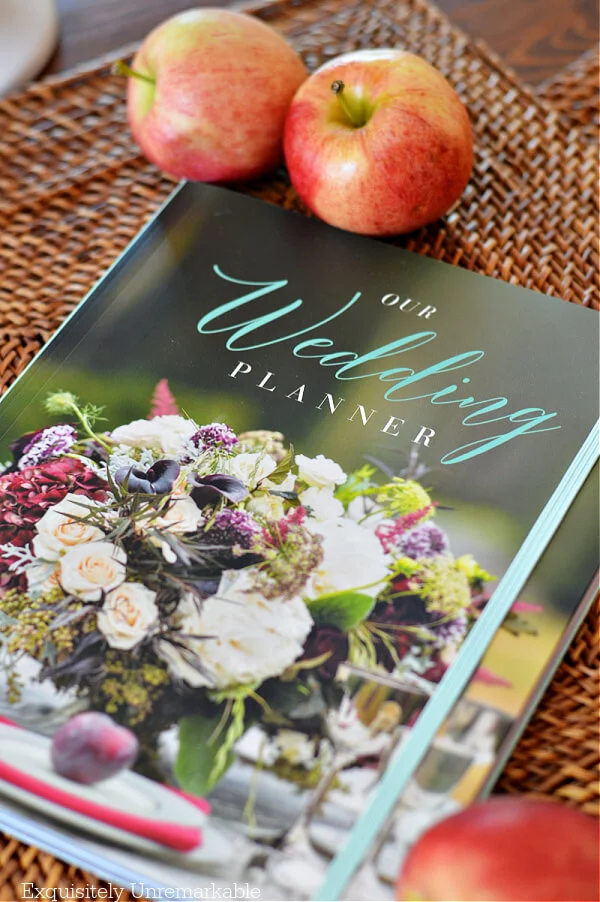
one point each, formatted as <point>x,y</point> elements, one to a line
<point>536,37</point>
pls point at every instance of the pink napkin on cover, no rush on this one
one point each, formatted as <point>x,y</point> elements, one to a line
<point>171,835</point>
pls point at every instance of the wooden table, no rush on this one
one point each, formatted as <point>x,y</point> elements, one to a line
<point>536,37</point>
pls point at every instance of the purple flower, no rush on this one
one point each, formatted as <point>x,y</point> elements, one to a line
<point>227,543</point>
<point>215,435</point>
<point>447,632</point>
<point>427,540</point>
<point>231,527</point>
<point>50,442</point>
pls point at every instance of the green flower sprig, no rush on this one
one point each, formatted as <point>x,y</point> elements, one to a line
<point>64,402</point>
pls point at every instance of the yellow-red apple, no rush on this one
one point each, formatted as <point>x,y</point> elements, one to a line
<point>378,142</point>
<point>509,849</point>
<point>211,94</point>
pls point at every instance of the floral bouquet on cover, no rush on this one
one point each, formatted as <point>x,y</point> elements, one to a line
<point>173,573</point>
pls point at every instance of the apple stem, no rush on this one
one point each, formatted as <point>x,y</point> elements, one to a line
<point>355,116</point>
<point>121,68</point>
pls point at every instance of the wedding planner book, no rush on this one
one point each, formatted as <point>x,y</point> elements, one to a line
<point>311,516</point>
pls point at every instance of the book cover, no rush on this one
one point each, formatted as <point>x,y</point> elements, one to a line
<point>294,524</point>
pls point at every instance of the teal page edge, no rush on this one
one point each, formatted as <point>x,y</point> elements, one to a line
<point>454,682</point>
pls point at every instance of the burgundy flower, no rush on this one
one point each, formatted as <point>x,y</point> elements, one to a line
<point>436,669</point>
<point>406,610</point>
<point>211,489</point>
<point>323,640</point>
<point>27,494</point>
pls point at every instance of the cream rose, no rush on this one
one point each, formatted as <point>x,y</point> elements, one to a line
<point>62,527</point>
<point>168,434</point>
<point>320,471</point>
<point>88,570</point>
<point>42,576</point>
<point>127,615</point>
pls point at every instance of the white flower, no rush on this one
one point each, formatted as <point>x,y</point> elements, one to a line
<point>320,471</point>
<point>251,467</point>
<point>366,511</point>
<point>352,559</point>
<point>121,458</point>
<point>186,620</point>
<point>42,577</point>
<point>61,528</point>
<point>271,507</point>
<point>249,638</point>
<point>127,615</point>
<point>182,515</point>
<point>88,570</point>
<point>286,485</point>
<point>322,504</point>
<point>266,505</point>
<point>168,434</point>
<point>295,747</point>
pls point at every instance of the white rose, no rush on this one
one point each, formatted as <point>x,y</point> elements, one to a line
<point>61,528</point>
<point>186,620</point>
<point>182,515</point>
<point>271,507</point>
<point>127,615</point>
<point>88,570</point>
<point>366,511</point>
<point>320,471</point>
<point>352,559</point>
<point>322,504</point>
<point>168,434</point>
<point>240,625</point>
<point>251,467</point>
<point>268,506</point>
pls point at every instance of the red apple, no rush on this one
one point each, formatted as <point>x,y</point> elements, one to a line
<point>91,747</point>
<point>506,850</point>
<point>214,90</point>
<point>377,142</point>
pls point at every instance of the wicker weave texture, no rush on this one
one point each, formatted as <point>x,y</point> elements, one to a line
<point>576,93</point>
<point>74,191</point>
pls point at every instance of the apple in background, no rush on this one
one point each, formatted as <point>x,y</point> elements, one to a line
<point>91,747</point>
<point>378,142</point>
<point>508,849</point>
<point>211,94</point>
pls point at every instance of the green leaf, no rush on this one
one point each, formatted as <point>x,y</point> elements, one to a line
<point>200,740</point>
<point>356,484</point>
<point>283,467</point>
<point>342,609</point>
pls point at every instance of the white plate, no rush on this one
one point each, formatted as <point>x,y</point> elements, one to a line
<point>28,36</point>
<point>126,792</point>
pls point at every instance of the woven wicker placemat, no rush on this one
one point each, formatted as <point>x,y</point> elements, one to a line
<point>74,191</point>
